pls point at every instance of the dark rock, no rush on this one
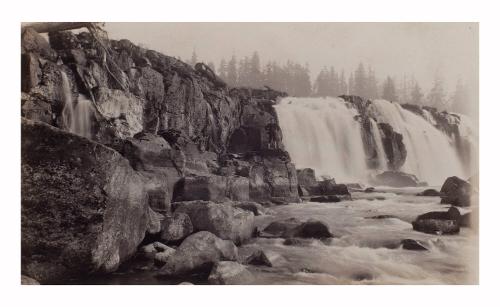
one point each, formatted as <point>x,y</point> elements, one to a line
<point>147,151</point>
<point>411,244</point>
<point>176,227</point>
<point>313,229</point>
<point>396,179</point>
<point>31,72</point>
<point>429,192</point>
<point>229,273</point>
<point>370,190</point>
<point>198,253</point>
<point>382,216</point>
<point>223,220</point>
<point>258,257</point>
<point>439,222</point>
<point>394,146</point>
<point>329,187</point>
<point>298,242</point>
<point>325,199</point>
<point>256,208</point>
<point>362,276</point>
<point>284,228</point>
<point>456,192</point>
<point>84,209</point>
<point>306,177</point>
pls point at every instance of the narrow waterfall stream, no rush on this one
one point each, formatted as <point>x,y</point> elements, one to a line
<point>76,116</point>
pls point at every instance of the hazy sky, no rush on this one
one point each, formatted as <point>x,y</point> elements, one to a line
<point>421,49</point>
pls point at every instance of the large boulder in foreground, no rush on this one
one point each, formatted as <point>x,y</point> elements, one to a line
<point>83,208</point>
<point>224,220</point>
<point>438,222</point>
<point>197,254</point>
<point>456,192</point>
<point>229,273</point>
<point>396,179</point>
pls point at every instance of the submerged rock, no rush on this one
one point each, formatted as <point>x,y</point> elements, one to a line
<point>313,229</point>
<point>411,244</point>
<point>258,257</point>
<point>283,228</point>
<point>223,220</point>
<point>325,199</point>
<point>456,192</point>
<point>429,192</point>
<point>229,273</point>
<point>198,253</point>
<point>83,208</point>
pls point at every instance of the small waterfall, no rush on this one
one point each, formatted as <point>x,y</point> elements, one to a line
<point>322,133</point>
<point>76,117</point>
<point>381,157</point>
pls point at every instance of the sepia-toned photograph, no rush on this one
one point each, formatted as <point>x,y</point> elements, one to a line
<point>249,153</point>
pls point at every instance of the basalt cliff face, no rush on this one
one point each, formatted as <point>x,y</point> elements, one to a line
<point>158,131</point>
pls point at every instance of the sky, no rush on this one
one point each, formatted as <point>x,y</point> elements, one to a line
<point>424,50</point>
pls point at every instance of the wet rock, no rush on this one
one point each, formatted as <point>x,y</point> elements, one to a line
<point>83,208</point>
<point>313,229</point>
<point>223,220</point>
<point>429,192</point>
<point>370,190</point>
<point>394,146</point>
<point>456,192</point>
<point>229,273</point>
<point>325,199</point>
<point>329,187</point>
<point>283,228</point>
<point>160,258</point>
<point>258,257</point>
<point>362,276</point>
<point>382,216</point>
<point>176,227</point>
<point>396,179</point>
<point>198,253</point>
<point>411,244</point>
<point>256,208</point>
<point>25,280</point>
<point>439,222</point>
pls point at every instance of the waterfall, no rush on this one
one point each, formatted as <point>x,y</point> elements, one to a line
<point>381,156</point>
<point>322,133</point>
<point>76,117</point>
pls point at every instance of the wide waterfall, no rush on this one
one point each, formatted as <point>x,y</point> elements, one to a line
<point>323,134</point>
<point>76,117</point>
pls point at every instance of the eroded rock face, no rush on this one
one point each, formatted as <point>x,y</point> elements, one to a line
<point>223,220</point>
<point>84,209</point>
<point>456,192</point>
<point>198,253</point>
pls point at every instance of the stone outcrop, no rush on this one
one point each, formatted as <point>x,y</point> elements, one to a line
<point>396,179</point>
<point>83,208</point>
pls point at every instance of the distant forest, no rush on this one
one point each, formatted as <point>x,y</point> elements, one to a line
<point>294,78</point>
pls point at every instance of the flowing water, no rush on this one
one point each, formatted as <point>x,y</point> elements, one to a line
<point>323,134</point>
<point>76,116</point>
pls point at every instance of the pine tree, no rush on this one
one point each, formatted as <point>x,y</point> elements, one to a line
<point>211,65</point>
<point>436,96</point>
<point>194,59</point>
<point>371,85</point>
<point>350,85</point>
<point>360,81</point>
<point>223,70</point>
<point>416,95</point>
<point>232,72</point>
<point>343,90</point>
<point>460,99</point>
<point>389,90</point>
<point>254,78</point>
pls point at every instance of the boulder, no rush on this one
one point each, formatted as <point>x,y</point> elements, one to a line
<point>212,188</point>
<point>396,179</point>
<point>150,250</point>
<point>197,254</point>
<point>148,152</point>
<point>256,208</point>
<point>258,257</point>
<point>306,177</point>
<point>429,192</point>
<point>229,273</point>
<point>438,222</point>
<point>283,228</point>
<point>25,280</point>
<point>223,220</point>
<point>83,208</point>
<point>325,199</point>
<point>329,187</point>
<point>411,244</point>
<point>313,229</point>
<point>370,190</point>
<point>176,227</point>
<point>160,258</point>
<point>456,192</point>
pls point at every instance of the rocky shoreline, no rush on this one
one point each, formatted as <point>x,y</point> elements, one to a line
<point>175,172</point>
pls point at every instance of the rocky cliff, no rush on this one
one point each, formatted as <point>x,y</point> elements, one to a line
<point>160,131</point>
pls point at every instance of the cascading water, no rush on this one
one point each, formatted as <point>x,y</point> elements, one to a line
<point>76,117</point>
<point>322,133</point>
<point>431,155</point>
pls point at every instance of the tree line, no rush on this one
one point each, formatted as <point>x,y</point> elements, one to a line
<point>294,78</point>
